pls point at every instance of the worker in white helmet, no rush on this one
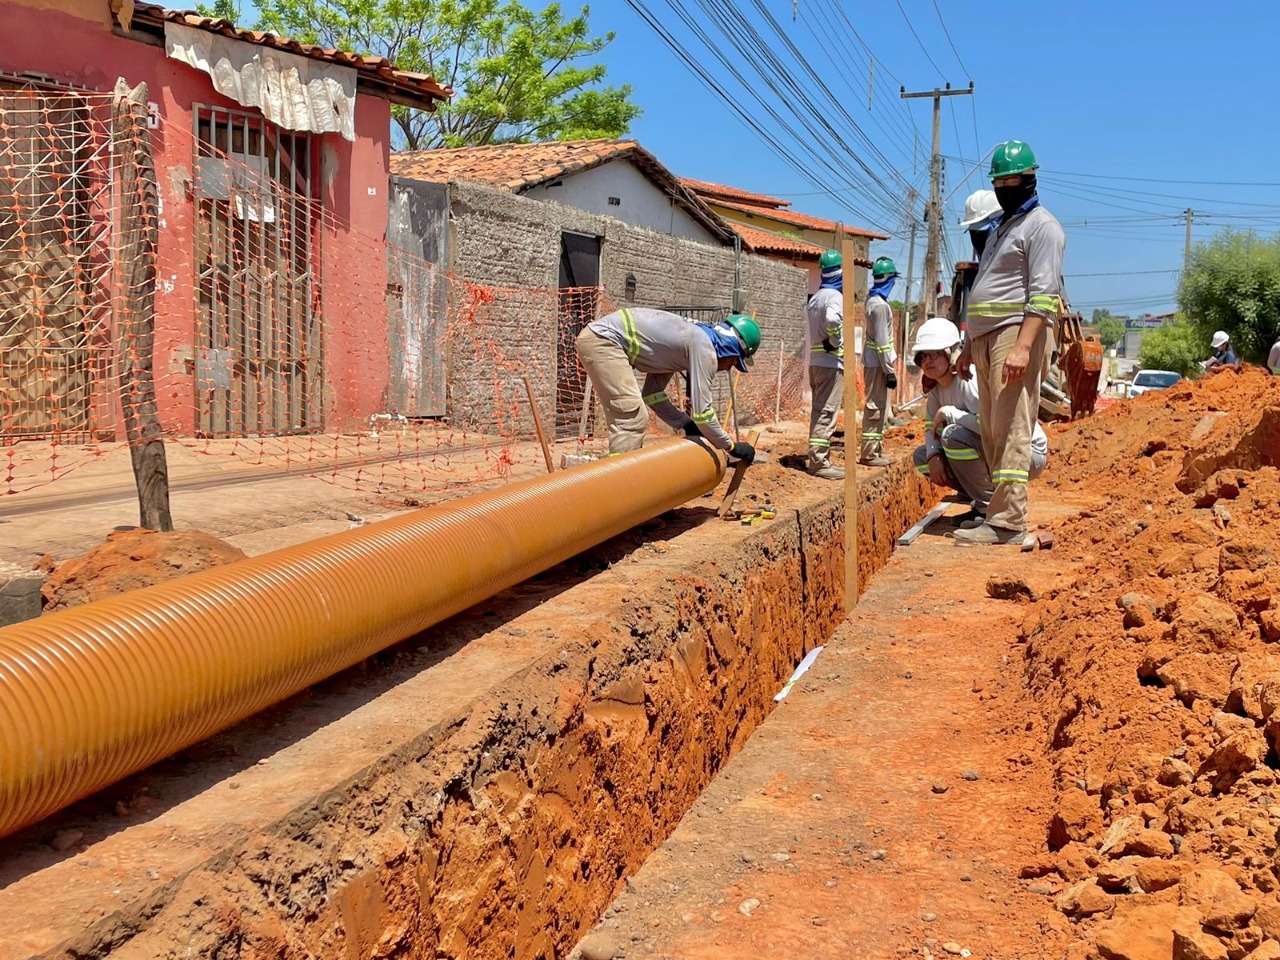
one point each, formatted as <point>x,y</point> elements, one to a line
<point>951,455</point>
<point>1223,355</point>
<point>982,214</point>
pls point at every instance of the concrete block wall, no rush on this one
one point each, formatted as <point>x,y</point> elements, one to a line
<point>504,240</point>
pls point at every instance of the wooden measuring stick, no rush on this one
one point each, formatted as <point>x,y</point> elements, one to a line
<point>537,425</point>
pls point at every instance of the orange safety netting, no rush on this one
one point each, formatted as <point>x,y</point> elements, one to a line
<point>242,315</point>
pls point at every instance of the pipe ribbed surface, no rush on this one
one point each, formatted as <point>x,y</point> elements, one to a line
<point>95,693</point>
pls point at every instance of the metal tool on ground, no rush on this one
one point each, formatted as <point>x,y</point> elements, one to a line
<point>907,538</point>
<point>739,470</point>
<point>537,425</point>
<point>756,515</point>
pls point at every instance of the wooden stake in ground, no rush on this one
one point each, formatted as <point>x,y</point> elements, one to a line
<point>586,413</point>
<point>537,425</point>
<point>135,269</point>
<point>851,448</point>
<point>777,397</point>
<point>733,404</point>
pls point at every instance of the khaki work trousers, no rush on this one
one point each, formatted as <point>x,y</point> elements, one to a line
<point>614,382</point>
<point>827,384</point>
<point>874,411</point>
<point>965,469</point>
<point>1008,419</point>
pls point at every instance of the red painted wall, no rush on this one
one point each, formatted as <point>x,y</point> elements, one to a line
<point>353,196</point>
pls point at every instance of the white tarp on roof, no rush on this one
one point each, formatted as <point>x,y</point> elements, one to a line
<point>293,92</point>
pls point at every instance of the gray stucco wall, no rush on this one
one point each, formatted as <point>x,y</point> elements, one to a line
<point>501,240</point>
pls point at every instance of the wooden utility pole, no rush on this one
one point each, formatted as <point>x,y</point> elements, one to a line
<point>906,299</point>
<point>1186,252</point>
<point>135,297</point>
<point>935,190</point>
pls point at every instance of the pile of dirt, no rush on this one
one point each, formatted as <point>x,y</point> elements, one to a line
<point>131,559</point>
<point>1154,668</point>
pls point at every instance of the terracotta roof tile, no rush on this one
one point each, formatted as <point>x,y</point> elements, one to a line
<point>763,241</point>
<point>520,166</point>
<point>511,166</point>
<point>402,86</point>
<point>793,218</point>
<point>710,190</point>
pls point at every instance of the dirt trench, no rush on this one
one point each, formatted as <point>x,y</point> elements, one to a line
<point>501,827</point>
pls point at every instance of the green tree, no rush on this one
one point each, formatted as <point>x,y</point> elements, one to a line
<point>1110,329</point>
<point>1178,346</point>
<point>221,10</point>
<point>1234,285</point>
<point>518,74</point>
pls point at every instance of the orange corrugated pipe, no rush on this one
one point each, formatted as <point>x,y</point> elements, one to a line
<point>92,694</point>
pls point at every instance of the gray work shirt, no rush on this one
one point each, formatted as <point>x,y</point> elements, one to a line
<point>826,322</point>
<point>1020,273</point>
<point>660,345</point>
<point>877,350</point>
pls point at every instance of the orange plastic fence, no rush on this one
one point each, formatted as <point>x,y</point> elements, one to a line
<point>286,340</point>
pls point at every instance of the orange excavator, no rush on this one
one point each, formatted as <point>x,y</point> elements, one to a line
<point>1070,389</point>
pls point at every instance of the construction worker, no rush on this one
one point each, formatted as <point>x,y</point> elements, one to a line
<point>951,455</point>
<point>660,345</point>
<point>982,215</point>
<point>1014,303</point>
<point>1273,359</point>
<point>826,364</point>
<point>878,358</point>
<point>1223,355</point>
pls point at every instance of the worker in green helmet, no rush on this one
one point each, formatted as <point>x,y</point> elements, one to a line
<point>878,359</point>
<point>660,344</point>
<point>826,363</point>
<point>1009,315</point>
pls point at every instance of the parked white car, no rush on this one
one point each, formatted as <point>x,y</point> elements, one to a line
<point>1145,380</point>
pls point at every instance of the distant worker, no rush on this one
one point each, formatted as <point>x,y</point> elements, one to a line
<point>982,214</point>
<point>660,345</point>
<point>952,452</point>
<point>1014,303</point>
<point>826,364</point>
<point>1223,355</point>
<point>878,358</point>
<point>1273,359</point>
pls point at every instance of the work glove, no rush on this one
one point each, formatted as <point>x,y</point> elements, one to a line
<point>892,380</point>
<point>743,451</point>
<point>691,430</point>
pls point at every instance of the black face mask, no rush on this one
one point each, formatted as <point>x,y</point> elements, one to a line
<point>1011,198</point>
<point>979,238</point>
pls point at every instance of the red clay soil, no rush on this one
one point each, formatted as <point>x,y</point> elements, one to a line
<point>1154,667</point>
<point>129,560</point>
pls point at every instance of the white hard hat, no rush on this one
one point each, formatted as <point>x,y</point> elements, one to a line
<point>936,333</point>
<point>981,205</point>
<point>1220,339</point>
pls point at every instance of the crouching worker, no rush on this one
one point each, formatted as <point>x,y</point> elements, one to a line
<point>660,345</point>
<point>952,452</point>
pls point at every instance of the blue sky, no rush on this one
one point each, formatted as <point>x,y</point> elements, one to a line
<point>1132,88</point>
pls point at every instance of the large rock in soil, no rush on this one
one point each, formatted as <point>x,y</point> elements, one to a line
<point>130,560</point>
<point>1079,816</point>
<point>1239,754</point>
<point>1138,933</point>
<point>1205,622</point>
<point>1218,900</point>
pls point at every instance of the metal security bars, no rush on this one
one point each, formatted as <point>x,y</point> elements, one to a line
<point>259,359</point>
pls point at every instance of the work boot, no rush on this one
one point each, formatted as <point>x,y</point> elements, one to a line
<point>828,471</point>
<point>985,535</point>
<point>877,462</point>
<point>970,519</point>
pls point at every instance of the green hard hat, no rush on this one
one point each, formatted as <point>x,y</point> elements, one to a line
<point>829,258</point>
<point>1010,157</point>
<point>884,267</point>
<point>746,330</point>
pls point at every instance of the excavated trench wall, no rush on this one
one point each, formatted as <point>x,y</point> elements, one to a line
<point>506,831</point>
